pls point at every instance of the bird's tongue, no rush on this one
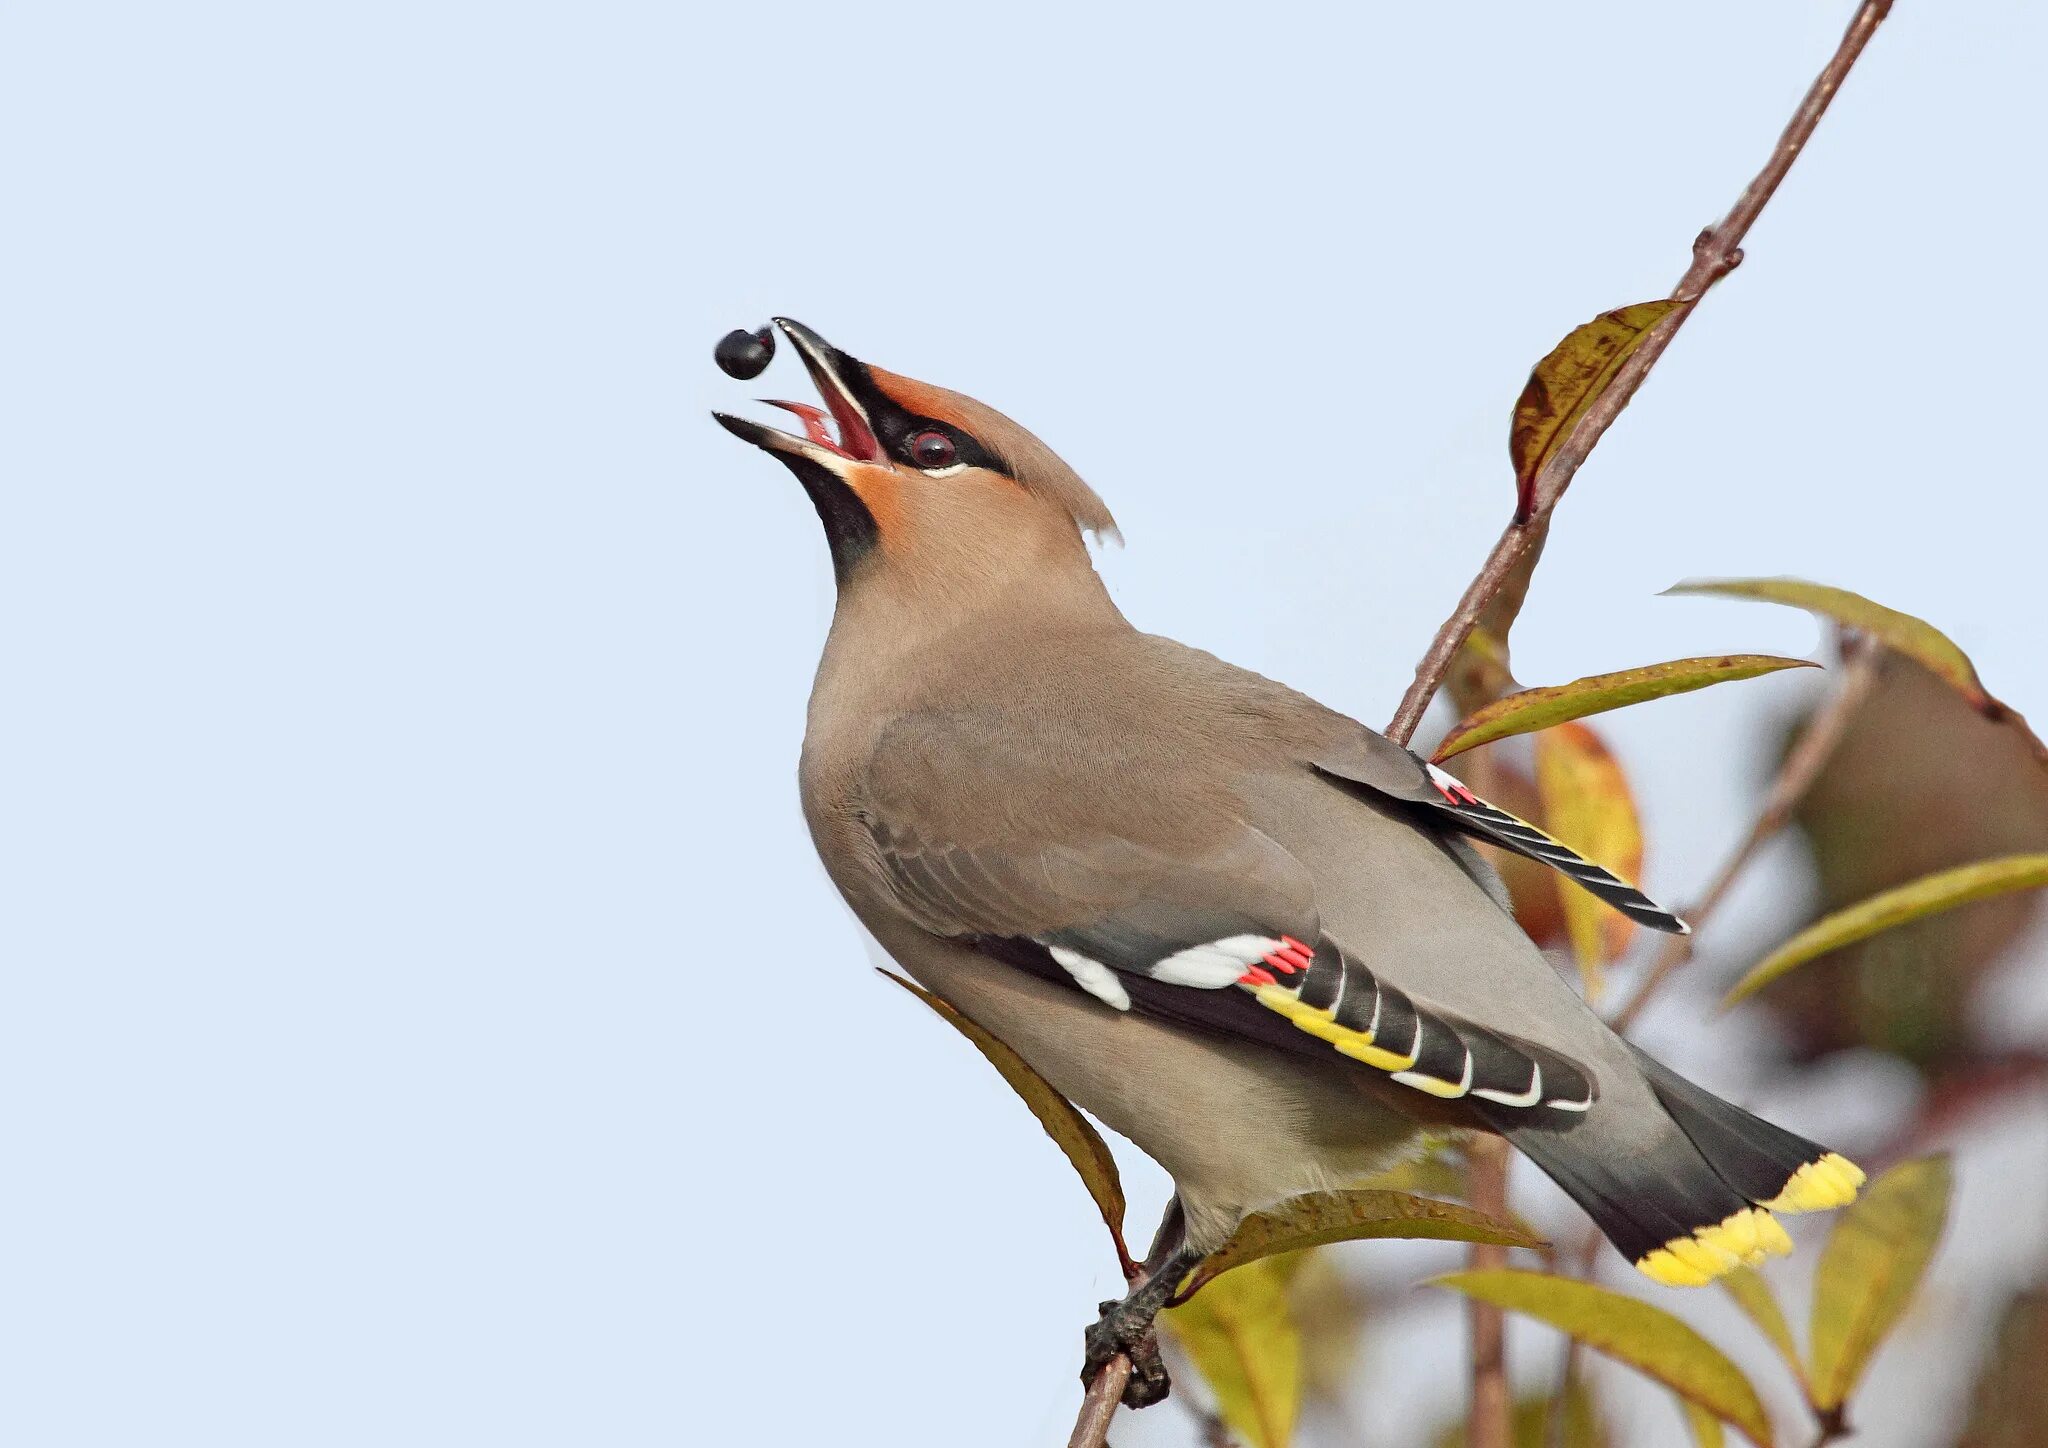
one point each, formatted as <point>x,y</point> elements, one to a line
<point>859,443</point>
<point>816,425</point>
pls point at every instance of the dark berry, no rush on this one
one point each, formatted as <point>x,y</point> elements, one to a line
<point>744,355</point>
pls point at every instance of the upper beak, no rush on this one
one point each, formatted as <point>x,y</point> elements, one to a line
<point>829,368</point>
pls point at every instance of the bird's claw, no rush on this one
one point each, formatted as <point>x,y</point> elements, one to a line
<point>1127,1329</point>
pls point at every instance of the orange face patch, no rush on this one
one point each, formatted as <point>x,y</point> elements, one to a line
<point>881,492</point>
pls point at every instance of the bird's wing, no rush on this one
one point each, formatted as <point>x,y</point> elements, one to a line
<point>1221,934</point>
<point>1377,763</point>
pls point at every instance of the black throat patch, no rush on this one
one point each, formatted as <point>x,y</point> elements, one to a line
<point>850,530</point>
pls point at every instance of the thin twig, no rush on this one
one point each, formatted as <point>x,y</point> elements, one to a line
<point>1716,252</point>
<point>1833,1425</point>
<point>1584,1266</point>
<point>1802,766</point>
<point>1091,1429</point>
<point>1215,1432</point>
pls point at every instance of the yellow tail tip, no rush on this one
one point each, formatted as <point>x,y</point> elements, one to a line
<point>1745,1238</point>
<point>1819,1185</point>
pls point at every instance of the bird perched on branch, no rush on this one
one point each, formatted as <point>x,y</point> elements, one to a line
<point>1243,930</point>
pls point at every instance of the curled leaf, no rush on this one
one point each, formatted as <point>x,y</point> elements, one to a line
<point>1647,1338</point>
<point>1566,383</point>
<point>1241,1337</point>
<point>1915,638</point>
<point>1928,895</point>
<point>1342,1216</point>
<point>1534,709</point>
<point>1588,805</point>
<point>1062,1121</point>
<point>1760,1305</point>
<point>1870,1269</point>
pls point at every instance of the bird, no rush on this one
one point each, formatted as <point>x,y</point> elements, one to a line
<point>1241,929</point>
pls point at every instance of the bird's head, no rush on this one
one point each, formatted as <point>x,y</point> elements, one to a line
<point>919,478</point>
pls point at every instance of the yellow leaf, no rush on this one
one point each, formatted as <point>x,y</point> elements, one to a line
<point>1432,1174</point>
<point>1566,383</point>
<point>1913,637</point>
<point>1870,1269</point>
<point>1068,1128</point>
<point>1754,1296</point>
<point>1647,1338</point>
<point>1343,1216</point>
<point>1587,805</point>
<point>1330,1313</point>
<point>1706,1428</point>
<point>1928,895</point>
<point>1534,709</point>
<point>1242,1339</point>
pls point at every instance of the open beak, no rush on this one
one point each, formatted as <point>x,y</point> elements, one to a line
<point>854,441</point>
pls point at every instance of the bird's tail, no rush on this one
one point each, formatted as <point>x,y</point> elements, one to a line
<point>1698,1202</point>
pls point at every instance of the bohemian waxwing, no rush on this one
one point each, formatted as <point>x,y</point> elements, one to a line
<point>1242,930</point>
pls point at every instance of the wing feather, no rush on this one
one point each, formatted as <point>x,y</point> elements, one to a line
<point>1384,767</point>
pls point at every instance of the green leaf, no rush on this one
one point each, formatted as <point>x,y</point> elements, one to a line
<point>1534,709</point>
<point>1587,804</point>
<point>1068,1128</point>
<point>1242,1339</point>
<point>1915,900</point>
<point>1647,1338</point>
<point>1870,1269</point>
<point>1915,638</point>
<point>1343,1216</point>
<point>1706,1428</point>
<point>1566,383</point>
<point>1754,1296</point>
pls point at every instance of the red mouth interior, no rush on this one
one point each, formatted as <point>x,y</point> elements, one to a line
<point>854,442</point>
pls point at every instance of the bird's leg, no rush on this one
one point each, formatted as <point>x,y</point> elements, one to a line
<point>1125,1326</point>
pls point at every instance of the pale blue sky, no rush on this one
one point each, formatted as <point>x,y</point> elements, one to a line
<point>426,1022</point>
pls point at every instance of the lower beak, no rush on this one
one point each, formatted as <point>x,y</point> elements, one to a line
<point>774,440</point>
<point>828,367</point>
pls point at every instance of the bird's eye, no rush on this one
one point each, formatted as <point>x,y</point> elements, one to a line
<point>933,450</point>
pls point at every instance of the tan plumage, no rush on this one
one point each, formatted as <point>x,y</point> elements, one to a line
<point>1242,929</point>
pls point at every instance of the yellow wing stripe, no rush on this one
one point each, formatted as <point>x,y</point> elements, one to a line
<point>1321,1023</point>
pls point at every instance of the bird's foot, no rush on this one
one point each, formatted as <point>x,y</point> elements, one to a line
<point>1126,1327</point>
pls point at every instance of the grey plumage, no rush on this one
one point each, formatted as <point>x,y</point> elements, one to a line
<point>1243,930</point>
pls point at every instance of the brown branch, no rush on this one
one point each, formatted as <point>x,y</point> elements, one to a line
<point>1091,1429</point>
<point>1584,1267</point>
<point>1833,1424</point>
<point>1716,252</point>
<point>1803,764</point>
<point>1489,1416</point>
<point>1215,1432</point>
